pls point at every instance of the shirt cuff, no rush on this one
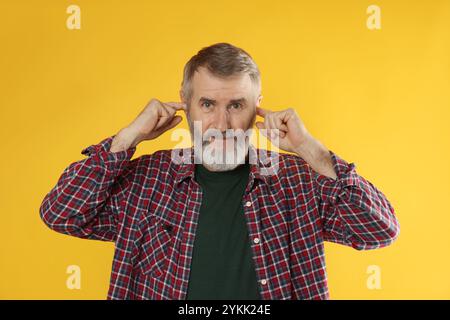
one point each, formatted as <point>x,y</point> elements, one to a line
<point>330,188</point>
<point>101,150</point>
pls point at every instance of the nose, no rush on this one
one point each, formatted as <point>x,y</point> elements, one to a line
<point>222,120</point>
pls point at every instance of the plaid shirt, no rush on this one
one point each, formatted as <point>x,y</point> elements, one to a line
<point>149,207</point>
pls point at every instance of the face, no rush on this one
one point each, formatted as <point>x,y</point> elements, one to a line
<point>221,104</point>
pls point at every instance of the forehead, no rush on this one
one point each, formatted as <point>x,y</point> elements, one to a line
<point>204,83</point>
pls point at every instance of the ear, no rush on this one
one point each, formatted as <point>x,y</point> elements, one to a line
<point>258,101</point>
<point>181,96</point>
<point>182,99</point>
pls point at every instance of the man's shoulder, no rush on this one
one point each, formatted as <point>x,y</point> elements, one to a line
<point>168,162</point>
<point>160,161</point>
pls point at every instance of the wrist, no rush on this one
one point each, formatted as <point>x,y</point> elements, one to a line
<point>124,140</point>
<point>309,149</point>
<point>317,156</point>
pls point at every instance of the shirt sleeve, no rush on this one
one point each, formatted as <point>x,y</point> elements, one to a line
<point>84,203</point>
<point>353,211</point>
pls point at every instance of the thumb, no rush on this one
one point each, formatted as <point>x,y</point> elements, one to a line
<point>260,125</point>
<point>169,125</point>
<point>262,128</point>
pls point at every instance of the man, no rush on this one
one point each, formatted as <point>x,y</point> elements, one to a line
<point>217,229</point>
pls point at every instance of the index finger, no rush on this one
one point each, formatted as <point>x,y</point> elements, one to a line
<point>176,105</point>
<point>261,112</point>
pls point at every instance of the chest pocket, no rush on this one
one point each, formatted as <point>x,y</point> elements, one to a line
<point>154,247</point>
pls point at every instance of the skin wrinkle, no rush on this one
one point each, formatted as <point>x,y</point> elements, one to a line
<point>222,104</point>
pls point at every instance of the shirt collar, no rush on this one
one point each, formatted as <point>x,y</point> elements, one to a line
<point>263,165</point>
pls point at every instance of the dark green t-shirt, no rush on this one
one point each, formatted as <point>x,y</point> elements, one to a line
<point>222,265</point>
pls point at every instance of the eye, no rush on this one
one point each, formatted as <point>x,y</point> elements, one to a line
<point>236,106</point>
<point>206,104</point>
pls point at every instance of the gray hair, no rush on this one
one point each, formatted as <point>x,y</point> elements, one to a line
<point>222,60</point>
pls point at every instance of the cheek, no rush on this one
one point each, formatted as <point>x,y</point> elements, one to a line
<point>206,120</point>
<point>196,115</point>
<point>243,121</point>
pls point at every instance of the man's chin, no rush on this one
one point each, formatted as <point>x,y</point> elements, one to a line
<point>216,158</point>
<point>222,144</point>
<point>220,167</point>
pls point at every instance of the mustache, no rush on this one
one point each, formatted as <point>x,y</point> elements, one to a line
<point>240,135</point>
<point>213,133</point>
<point>236,140</point>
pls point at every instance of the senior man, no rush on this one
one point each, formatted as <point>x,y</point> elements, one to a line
<point>204,227</point>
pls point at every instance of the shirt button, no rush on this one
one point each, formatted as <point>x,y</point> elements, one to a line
<point>248,204</point>
<point>256,240</point>
<point>263,282</point>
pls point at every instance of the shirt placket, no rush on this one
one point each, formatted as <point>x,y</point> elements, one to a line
<point>250,204</point>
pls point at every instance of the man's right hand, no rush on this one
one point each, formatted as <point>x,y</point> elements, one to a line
<point>156,118</point>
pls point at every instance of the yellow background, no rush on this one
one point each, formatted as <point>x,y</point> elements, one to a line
<point>379,98</point>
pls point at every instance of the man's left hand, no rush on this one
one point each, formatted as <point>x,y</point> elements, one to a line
<point>294,137</point>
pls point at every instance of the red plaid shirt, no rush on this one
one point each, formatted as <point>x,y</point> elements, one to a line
<point>149,207</point>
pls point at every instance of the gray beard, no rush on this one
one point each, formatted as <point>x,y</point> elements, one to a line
<point>220,167</point>
<point>212,164</point>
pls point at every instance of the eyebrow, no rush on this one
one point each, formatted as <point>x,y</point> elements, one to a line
<point>238,100</point>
